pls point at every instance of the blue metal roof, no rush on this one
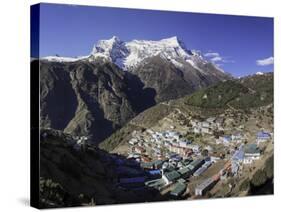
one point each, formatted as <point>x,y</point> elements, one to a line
<point>238,155</point>
<point>227,137</point>
<point>154,172</point>
<point>263,135</point>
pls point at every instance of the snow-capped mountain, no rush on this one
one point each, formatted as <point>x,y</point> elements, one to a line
<point>166,65</point>
<point>128,55</point>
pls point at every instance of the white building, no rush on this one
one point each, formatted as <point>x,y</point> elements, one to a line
<point>206,124</point>
<point>206,130</point>
<point>204,186</point>
<point>197,130</point>
<point>226,140</point>
<point>195,148</point>
<point>211,120</point>
<point>194,123</point>
<point>263,137</point>
<point>237,137</point>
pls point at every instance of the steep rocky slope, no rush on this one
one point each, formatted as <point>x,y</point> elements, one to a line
<point>84,98</point>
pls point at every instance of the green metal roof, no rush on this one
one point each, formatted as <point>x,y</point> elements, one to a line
<point>152,163</point>
<point>173,175</point>
<point>184,170</point>
<point>196,162</point>
<point>181,180</point>
<point>179,189</point>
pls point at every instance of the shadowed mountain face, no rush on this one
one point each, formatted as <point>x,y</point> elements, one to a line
<point>58,98</point>
<point>85,98</point>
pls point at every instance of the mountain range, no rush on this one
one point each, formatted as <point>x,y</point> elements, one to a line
<point>95,95</point>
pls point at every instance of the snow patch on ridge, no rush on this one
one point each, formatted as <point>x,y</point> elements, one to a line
<point>63,59</point>
<point>259,73</point>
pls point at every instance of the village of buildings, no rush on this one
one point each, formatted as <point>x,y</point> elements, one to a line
<point>174,160</point>
<point>178,163</point>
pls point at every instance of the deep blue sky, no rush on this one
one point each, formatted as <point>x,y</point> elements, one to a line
<point>70,30</point>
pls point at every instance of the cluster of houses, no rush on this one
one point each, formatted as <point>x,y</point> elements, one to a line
<point>162,174</point>
<point>245,154</point>
<point>263,137</point>
<point>174,159</point>
<point>233,139</point>
<point>161,145</point>
<point>238,138</point>
<point>169,160</point>
<point>248,153</point>
<point>166,159</point>
<point>178,176</point>
<point>208,183</point>
<point>174,172</point>
<point>207,126</point>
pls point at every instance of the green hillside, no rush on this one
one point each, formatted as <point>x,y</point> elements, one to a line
<point>217,96</point>
<point>248,92</point>
<point>260,91</point>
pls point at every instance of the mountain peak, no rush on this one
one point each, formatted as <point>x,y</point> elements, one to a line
<point>173,40</point>
<point>104,45</point>
<point>176,42</point>
<point>112,49</point>
<point>114,38</point>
